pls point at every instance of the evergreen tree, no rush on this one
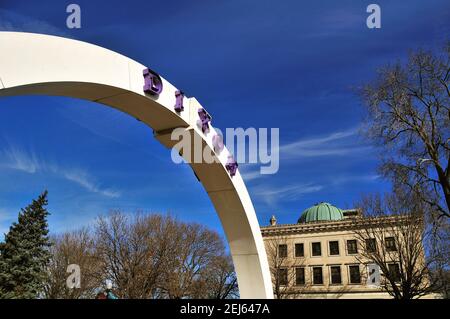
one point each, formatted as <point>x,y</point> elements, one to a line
<point>24,255</point>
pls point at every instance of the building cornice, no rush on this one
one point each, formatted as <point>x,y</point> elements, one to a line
<point>330,226</point>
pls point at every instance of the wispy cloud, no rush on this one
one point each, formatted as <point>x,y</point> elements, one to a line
<point>106,123</point>
<point>28,162</point>
<point>249,172</point>
<point>338,180</point>
<point>12,21</point>
<point>249,176</point>
<point>17,159</point>
<point>271,195</point>
<point>340,143</point>
<point>83,179</point>
<point>335,144</point>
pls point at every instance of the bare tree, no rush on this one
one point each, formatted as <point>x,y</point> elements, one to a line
<point>438,247</point>
<point>197,249</point>
<point>396,244</point>
<point>144,256</point>
<point>220,279</point>
<point>73,248</point>
<point>409,116</point>
<point>133,254</point>
<point>155,256</point>
<point>283,268</point>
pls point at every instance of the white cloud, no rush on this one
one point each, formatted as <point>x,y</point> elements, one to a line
<point>249,176</point>
<point>334,144</point>
<point>12,21</point>
<point>83,179</point>
<point>28,162</point>
<point>355,178</point>
<point>19,160</point>
<point>317,141</point>
<point>270,194</point>
<point>341,143</point>
<point>248,172</point>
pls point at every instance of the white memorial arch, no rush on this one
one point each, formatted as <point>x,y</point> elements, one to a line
<point>49,65</point>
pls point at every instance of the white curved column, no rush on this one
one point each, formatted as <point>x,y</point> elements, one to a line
<point>49,65</point>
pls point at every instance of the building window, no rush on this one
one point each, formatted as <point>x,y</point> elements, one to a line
<point>299,250</point>
<point>355,275</point>
<point>317,276</point>
<point>334,248</point>
<point>371,245</point>
<point>394,271</point>
<point>316,249</point>
<point>336,275</point>
<point>282,251</point>
<point>390,244</point>
<point>352,246</point>
<point>283,276</point>
<point>300,276</point>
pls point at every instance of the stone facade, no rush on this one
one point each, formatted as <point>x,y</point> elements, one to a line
<point>322,259</point>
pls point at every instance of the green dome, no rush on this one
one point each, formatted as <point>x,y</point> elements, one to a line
<point>321,212</point>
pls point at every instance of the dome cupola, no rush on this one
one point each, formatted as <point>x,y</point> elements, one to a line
<point>321,212</point>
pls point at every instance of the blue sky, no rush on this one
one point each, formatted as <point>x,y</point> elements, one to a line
<point>291,65</point>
